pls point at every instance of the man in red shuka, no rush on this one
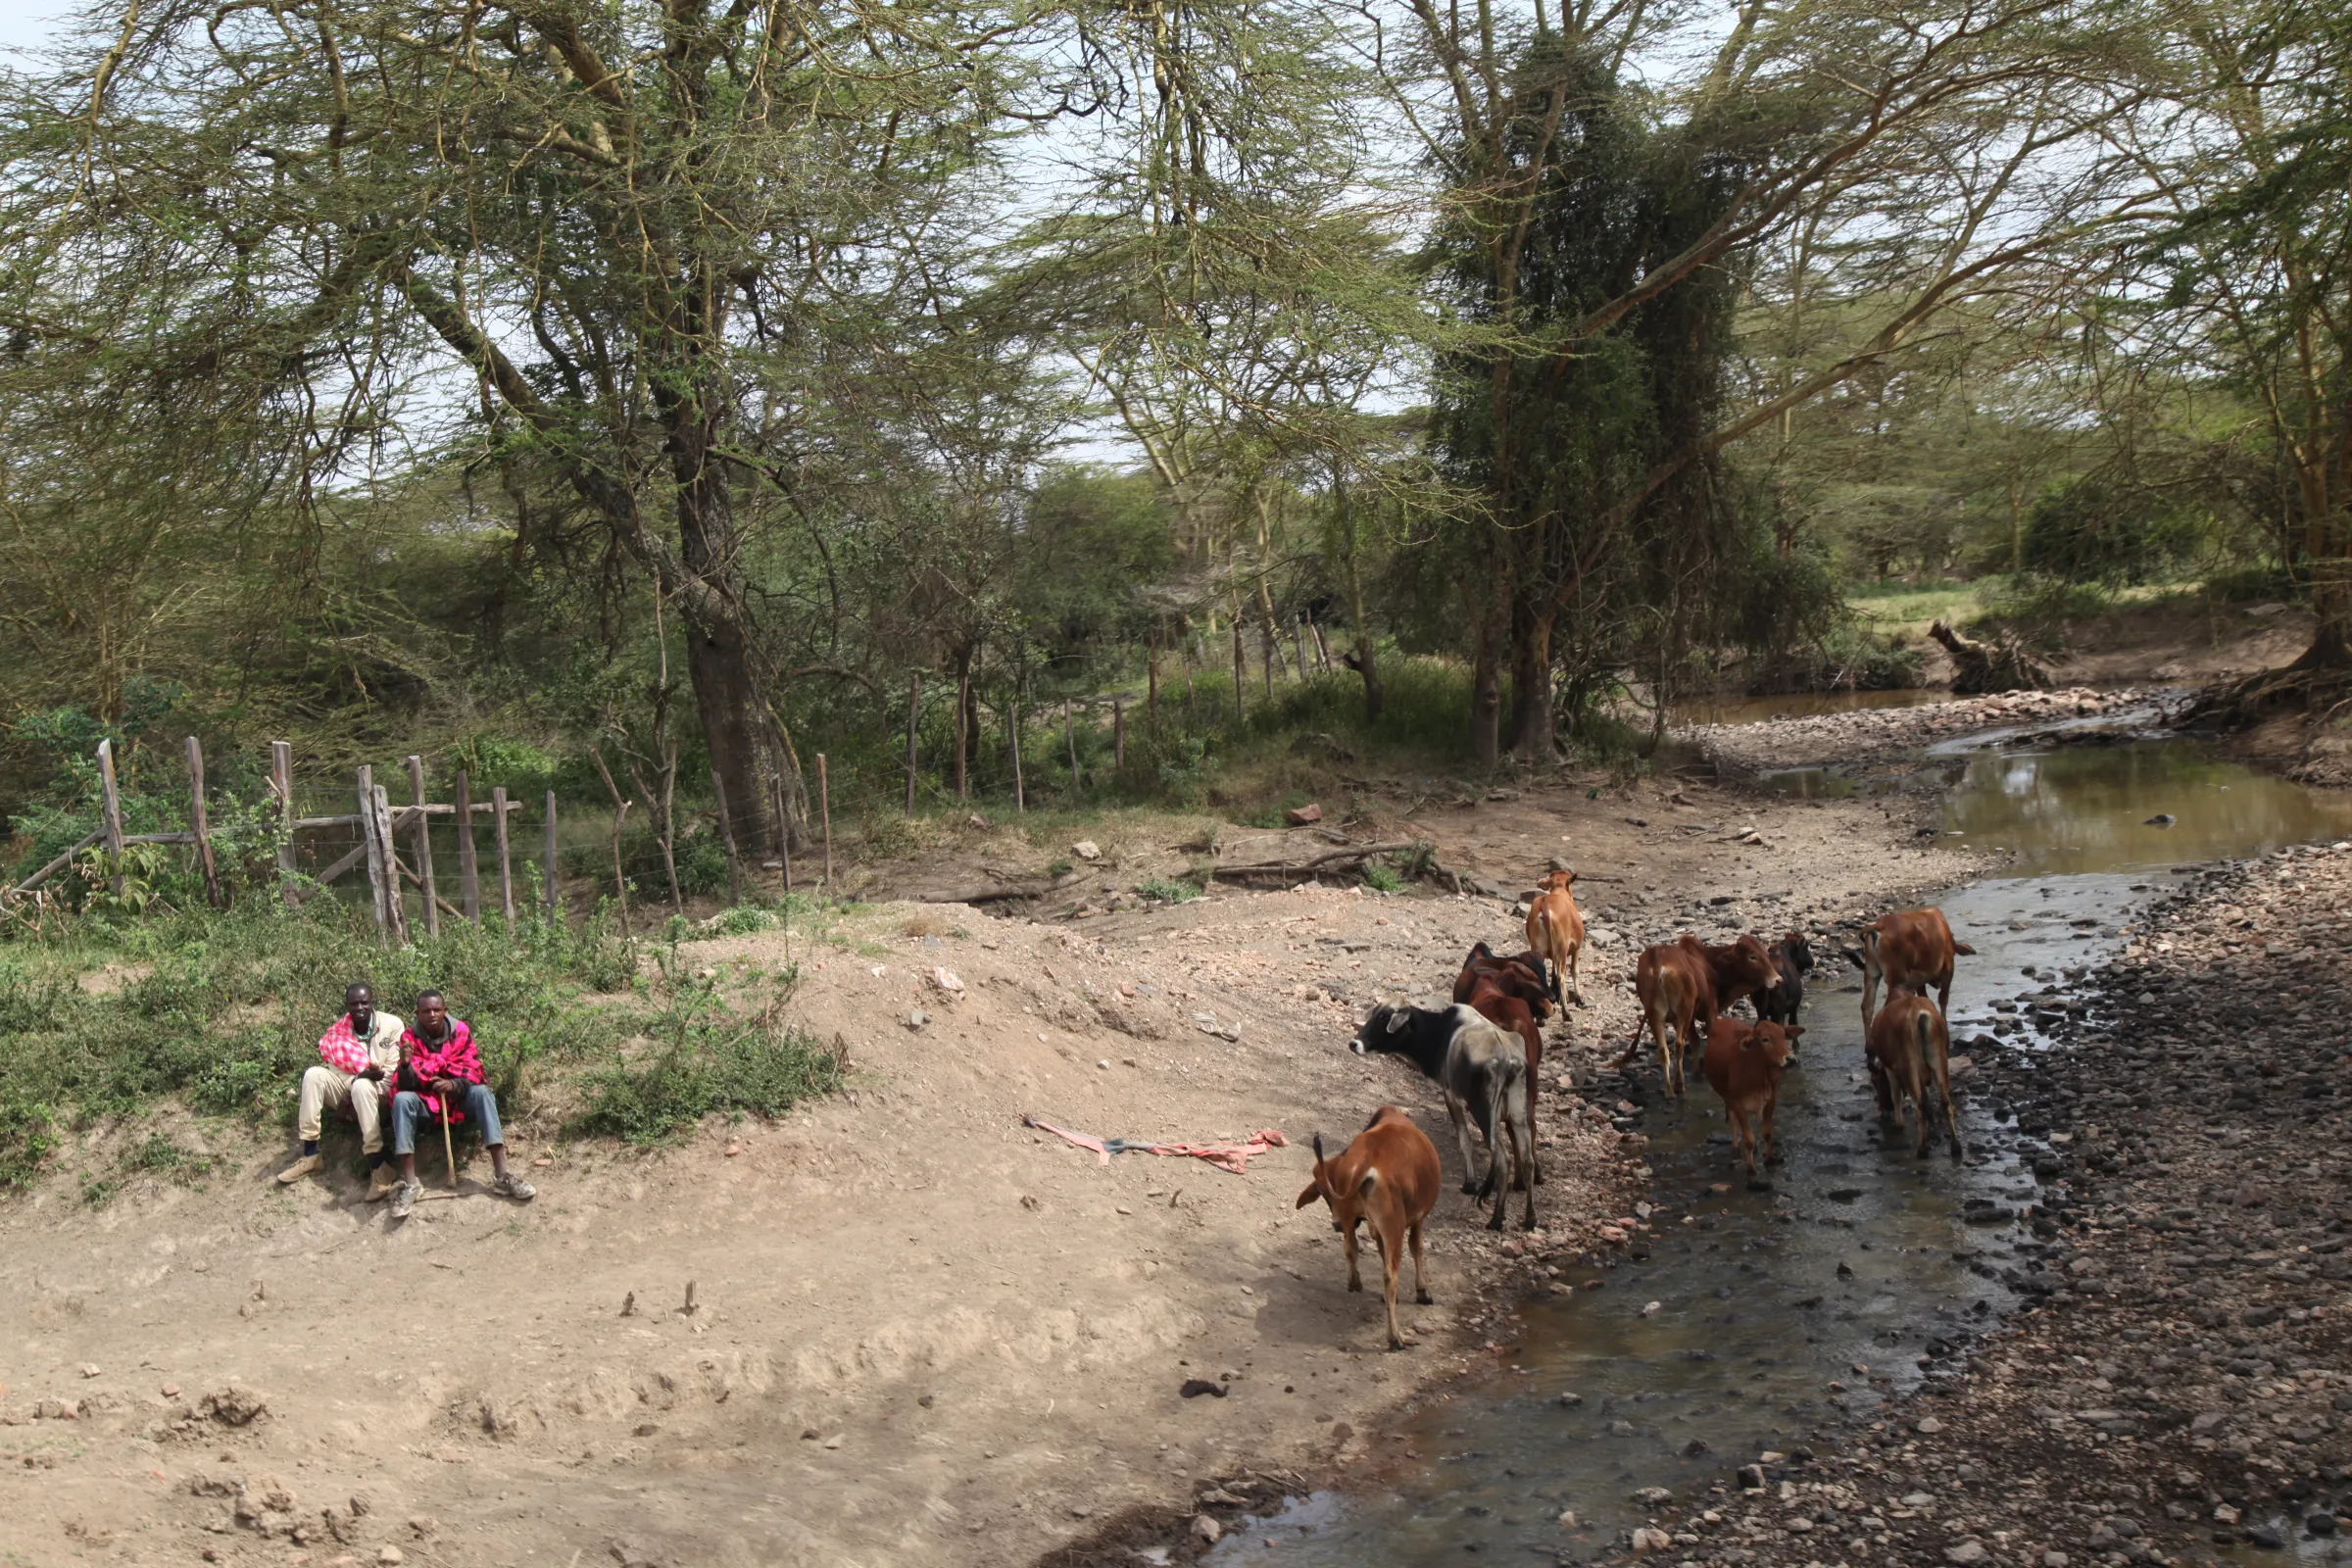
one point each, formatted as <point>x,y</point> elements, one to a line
<point>440,1072</point>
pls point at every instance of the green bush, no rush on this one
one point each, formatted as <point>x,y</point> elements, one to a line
<point>1381,878</point>
<point>2099,529</point>
<point>713,1063</point>
<point>1168,892</point>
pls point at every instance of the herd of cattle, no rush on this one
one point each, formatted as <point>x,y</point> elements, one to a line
<point>1484,1050</point>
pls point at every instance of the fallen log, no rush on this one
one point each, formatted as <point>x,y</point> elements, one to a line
<point>1278,854</point>
<point>2000,665</point>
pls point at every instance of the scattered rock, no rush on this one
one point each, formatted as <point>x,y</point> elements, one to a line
<point>1304,815</point>
<point>1206,1530</point>
<point>1086,850</point>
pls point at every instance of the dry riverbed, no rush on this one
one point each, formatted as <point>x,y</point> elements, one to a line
<point>2178,1381</point>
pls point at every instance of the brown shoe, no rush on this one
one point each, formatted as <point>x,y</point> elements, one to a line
<point>381,1182</point>
<point>307,1165</point>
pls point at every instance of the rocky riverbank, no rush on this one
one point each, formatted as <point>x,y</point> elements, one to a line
<point>2175,1381</point>
<point>1878,733</point>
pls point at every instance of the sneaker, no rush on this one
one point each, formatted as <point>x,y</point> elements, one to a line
<point>404,1199</point>
<point>513,1185</point>
<point>307,1165</point>
<point>381,1182</point>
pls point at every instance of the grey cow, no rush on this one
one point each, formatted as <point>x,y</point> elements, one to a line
<point>1481,1069</point>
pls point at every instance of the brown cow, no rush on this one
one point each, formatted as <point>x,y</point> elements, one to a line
<point>1910,947</point>
<point>1555,932</point>
<point>1493,999</point>
<point>1682,982</point>
<point>1744,1062</point>
<point>1908,1047</point>
<point>1387,1176</point>
<point>1520,975</point>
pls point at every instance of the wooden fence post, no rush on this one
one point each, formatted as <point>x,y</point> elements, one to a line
<point>367,839</point>
<point>282,779</point>
<point>424,848</point>
<point>1012,730</point>
<point>199,825</point>
<point>111,803</point>
<point>470,880</point>
<point>396,902</point>
<point>1118,735</point>
<point>506,866</point>
<point>915,700</point>
<point>555,900</point>
<point>726,837</point>
<point>824,812</point>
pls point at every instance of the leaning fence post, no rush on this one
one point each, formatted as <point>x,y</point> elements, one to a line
<point>282,779</point>
<point>726,837</point>
<point>424,848</point>
<point>111,803</point>
<point>506,867</point>
<point>396,902</point>
<point>1012,731</point>
<point>554,906</point>
<point>914,703</point>
<point>470,880</point>
<point>377,862</point>
<point>201,827</point>
<point>824,812</point>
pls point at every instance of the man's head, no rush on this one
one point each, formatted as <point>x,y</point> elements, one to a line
<point>360,1002</point>
<point>431,1009</point>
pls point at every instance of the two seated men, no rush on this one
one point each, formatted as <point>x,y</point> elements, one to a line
<point>426,1073</point>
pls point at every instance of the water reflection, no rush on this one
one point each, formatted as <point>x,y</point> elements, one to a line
<point>2086,808</point>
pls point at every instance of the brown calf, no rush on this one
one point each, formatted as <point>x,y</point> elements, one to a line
<point>1744,1062</point>
<point>1909,1048</point>
<point>1388,1177</point>
<point>1913,949</point>
<point>1555,933</point>
<point>1682,982</point>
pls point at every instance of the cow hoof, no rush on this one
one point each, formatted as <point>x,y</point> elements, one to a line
<point>1529,1223</point>
<point>1425,1299</point>
<point>1357,1285</point>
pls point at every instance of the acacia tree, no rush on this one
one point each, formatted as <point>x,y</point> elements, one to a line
<point>1923,147</point>
<point>666,253</point>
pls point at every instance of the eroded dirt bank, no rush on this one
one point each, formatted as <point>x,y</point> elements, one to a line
<point>922,1333</point>
<point>2180,1384</point>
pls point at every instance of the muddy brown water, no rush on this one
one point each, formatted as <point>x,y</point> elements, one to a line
<point>1769,1304</point>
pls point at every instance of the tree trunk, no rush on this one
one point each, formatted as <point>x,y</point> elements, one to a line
<point>1531,683</point>
<point>963,724</point>
<point>1486,674</point>
<point>747,750</point>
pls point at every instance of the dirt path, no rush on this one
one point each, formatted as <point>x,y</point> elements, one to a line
<point>922,1333</point>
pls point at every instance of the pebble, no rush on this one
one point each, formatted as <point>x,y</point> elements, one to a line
<point>1206,1530</point>
<point>388,1555</point>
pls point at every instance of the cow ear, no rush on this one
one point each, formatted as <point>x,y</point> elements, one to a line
<point>1793,1030</point>
<point>1398,1020</point>
<point>1314,1190</point>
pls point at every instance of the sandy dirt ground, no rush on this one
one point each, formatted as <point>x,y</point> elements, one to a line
<point>920,1331</point>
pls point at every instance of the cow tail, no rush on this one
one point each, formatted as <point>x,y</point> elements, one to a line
<point>1926,1030</point>
<point>1551,978</point>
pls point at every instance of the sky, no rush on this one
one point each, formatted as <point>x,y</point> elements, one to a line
<point>29,23</point>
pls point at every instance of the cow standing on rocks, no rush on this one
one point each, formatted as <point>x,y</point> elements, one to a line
<point>1909,1048</point>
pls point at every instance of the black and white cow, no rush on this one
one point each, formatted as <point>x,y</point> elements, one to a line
<point>1482,1070</point>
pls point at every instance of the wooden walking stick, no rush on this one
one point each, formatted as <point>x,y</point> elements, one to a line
<point>449,1148</point>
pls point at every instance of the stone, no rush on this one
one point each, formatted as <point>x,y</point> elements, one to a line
<point>89,1369</point>
<point>1206,1530</point>
<point>388,1555</point>
<point>1086,850</point>
<point>1653,1496</point>
<point>1646,1539</point>
<point>1304,815</point>
<point>1966,1551</point>
<point>1930,1425</point>
<point>234,1407</point>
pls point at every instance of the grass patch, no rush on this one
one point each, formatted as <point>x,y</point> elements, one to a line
<point>707,1059</point>
<point>1381,878</point>
<point>1167,892</point>
<point>1907,609</point>
<point>223,1012</point>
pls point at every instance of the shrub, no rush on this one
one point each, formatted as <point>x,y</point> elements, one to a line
<point>1381,878</point>
<point>1168,892</point>
<point>2099,529</point>
<point>712,1063</point>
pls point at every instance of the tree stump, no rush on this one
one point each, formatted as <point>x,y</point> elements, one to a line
<point>2000,665</point>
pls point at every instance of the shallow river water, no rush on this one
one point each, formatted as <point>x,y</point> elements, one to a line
<point>1757,1335</point>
